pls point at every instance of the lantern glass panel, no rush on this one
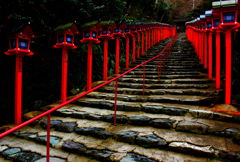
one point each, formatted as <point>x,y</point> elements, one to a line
<point>116,31</point>
<point>69,39</point>
<point>216,23</point>
<point>86,35</point>
<point>209,25</point>
<point>60,39</point>
<point>126,30</point>
<point>23,44</point>
<point>13,43</point>
<point>94,35</point>
<point>228,17</point>
<point>104,32</point>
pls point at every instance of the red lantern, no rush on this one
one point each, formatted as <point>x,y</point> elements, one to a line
<point>19,45</point>
<point>65,36</point>
<point>19,42</point>
<point>90,37</point>
<point>90,33</point>
<point>65,40</point>
<point>105,33</point>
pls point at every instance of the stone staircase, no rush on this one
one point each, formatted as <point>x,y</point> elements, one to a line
<point>172,121</point>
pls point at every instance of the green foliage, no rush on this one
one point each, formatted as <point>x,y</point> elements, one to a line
<point>63,27</point>
<point>89,24</point>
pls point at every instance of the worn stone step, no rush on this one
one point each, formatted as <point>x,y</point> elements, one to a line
<point>130,91</point>
<point>166,81</point>
<point>142,136</point>
<point>151,72</point>
<point>181,99</point>
<point>22,150</point>
<point>161,108</point>
<point>165,76</point>
<point>113,150</point>
<point>162,86</point>
<point>186,123</point>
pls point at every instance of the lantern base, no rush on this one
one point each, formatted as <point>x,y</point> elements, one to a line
<point>90,40</point>
<point>129,34</point>
<point>19,52</point>
<point>118,34</point>
<point>65,45</point>
<point>105,37</point>
<point>228,25</point>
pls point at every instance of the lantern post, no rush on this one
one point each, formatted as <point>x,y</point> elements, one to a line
<point>65,40</point>
<point>90,37</point>
<point>143,38</point>
<point>217,31</point>
<point>128,34</point>
<point>117,34</point>
<point>105,35</point>
<point>204,40</point>
<point>208,15</point>
<point>19,46</point>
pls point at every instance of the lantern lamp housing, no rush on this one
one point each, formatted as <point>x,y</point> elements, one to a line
<point>19,41</point>
<point>105,30</point>
<point>90,33</point>
<point>65,36</point>
<point>228,12</point>
<point>118,30</point>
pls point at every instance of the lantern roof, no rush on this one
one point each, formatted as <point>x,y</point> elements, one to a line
<point>208,13</point>
<point>69,27</point>
<point>90,26</point>
<point>23,29</point>
<point>202,17</point>
<point>228,3</point>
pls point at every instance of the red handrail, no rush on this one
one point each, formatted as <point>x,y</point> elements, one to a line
<point>83,94</point>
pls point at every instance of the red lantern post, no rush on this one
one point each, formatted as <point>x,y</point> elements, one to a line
<point>19,46</point>
<point>65,40</point>
<point>208,15</point>
<point>105,35</point>
<point>90,37</point>
<point>117,34</point>
<point>217,31</point>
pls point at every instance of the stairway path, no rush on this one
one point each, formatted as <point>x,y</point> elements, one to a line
<point>172,121</point>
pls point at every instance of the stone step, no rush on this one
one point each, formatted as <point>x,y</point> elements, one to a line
<point>181,99</point>
<point>22,150</point>
<point>151,72</point>
<point>118,149</point>
<point>162,86</point>
<point>166,81</point>
<point>156,108</point>
<point>185,123</point>
<point>165,76</point>
<point>130,91</point>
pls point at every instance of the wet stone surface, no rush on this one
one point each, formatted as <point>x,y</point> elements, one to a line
<point>53,140</point>
<point>52,159</point>
<point>165,110</point>
<point>138,120</point>
<point>16,154</point>
<point>95,132</point>
<point>127,136</point>
<point>150,141</point>
<point>53,123</point>
<point>74,147</point>
<point>193,127</point>
<point>120,118</point>
<point>132,157</point>
<point>66,126</point>
<point>162,123</point>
